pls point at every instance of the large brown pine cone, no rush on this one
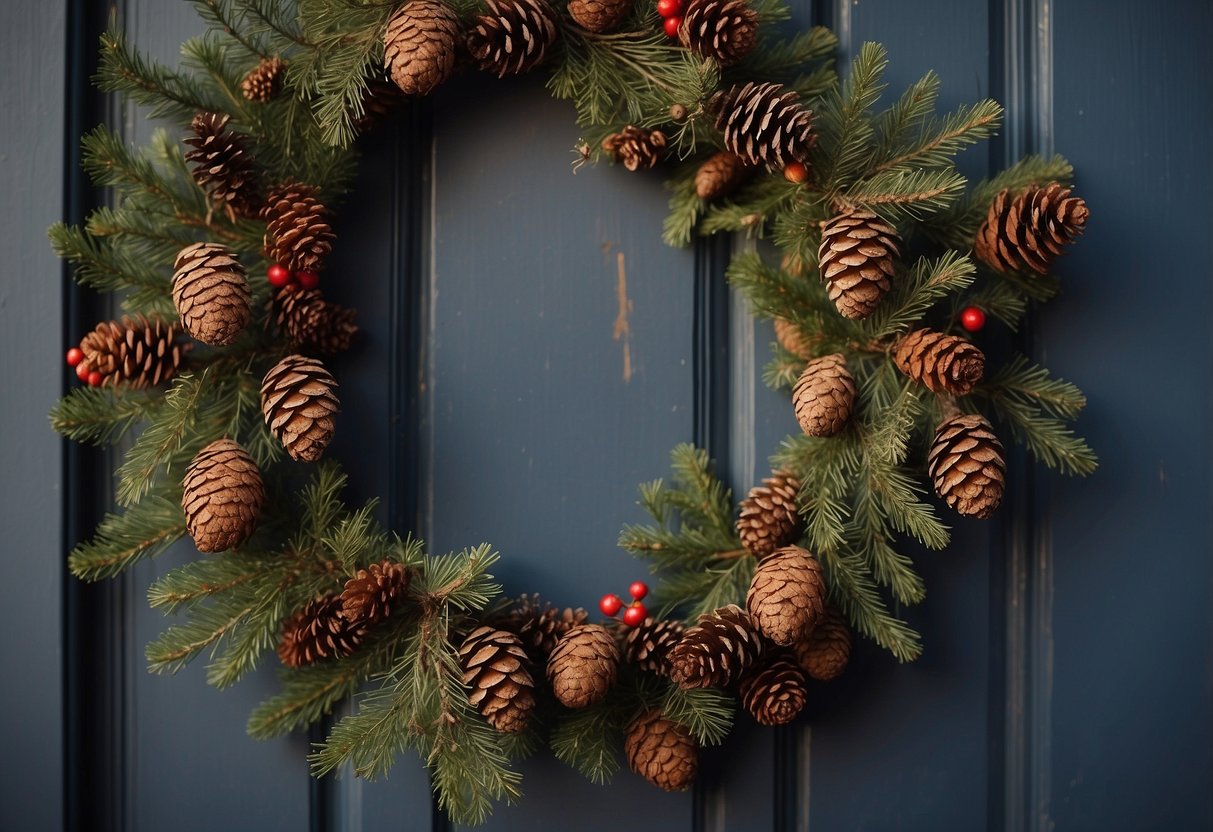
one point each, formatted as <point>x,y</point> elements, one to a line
<point>943,363</point>
<point>419,45</point>
<point>966,465</point>
<point>719,175</point>
<point>495,673</point>
<point>824,396</point>
<point>311,323</point>
<point>540,625</point>
<point>825,653</point>
<point>370,595</point>
<point>661,751</point>
<point>317,632</point>
<point>775,691</point>
<point>765,124</point>
<point>211,293</point>
<point>717,650</point>
<point>298,403</point>
<point>648,645</point>
<point>787,595</point>
<point>724,30</point>
<point>222,496</point>
<point>583,666</point>
<point>264,80</point>
<point>134,351</point>
<point>223,164</point>
<point>856,261</point>
<point>599,15</point>
<point>1026,231</point>
<point>513,36</point>
<point>635,148</point>
<point>297,230</point>
<point>769,517</point>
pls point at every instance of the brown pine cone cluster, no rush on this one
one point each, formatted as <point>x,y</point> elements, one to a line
<point>824,396</point>
<point>717,650</point>
<point>311,323</point>
<point>135,351</point>
<point>599,16</point>
<point>369,597</point>
<point>583,666</point>
<point>787,595</point>
<point>495,672</point>
<point>648,644</point>
<point>825,653</point>
<point>264,80</point>
<point>769,518</point>
<point>856,261</point>
<point>223,164</point>
<point>316,632</point>
<point>540,625</point>
<point>1027,230</point>
<point>222,495</point>
<point>720,175</point>
<point>775,691</point>
<point>636,148</point>
<point>298,403</point>
<point>943,363</point>
<point>513,36</point>
<point>661,751</point>
<point>297,230</point>
<point>765,124</point>
<point>211,293</point>
<point>724,30</point>
<point>966,465</point>
<point>419,45</point>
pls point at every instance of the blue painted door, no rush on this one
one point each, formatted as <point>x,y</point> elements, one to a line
<point>533,352</point>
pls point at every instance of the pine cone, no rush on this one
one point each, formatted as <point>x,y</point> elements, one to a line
<point>769,517</point>
<point>311,323</point>
<point>724,30</point>
<point>223,164</point>
<point>856,261</point>
<point>541,626</point>
<point>717,651</point>
<point>495,673</point>
<point>381,99</point>
<point>298,403</point>
<point>513,37</point>
<point>787,595</point>
<point>1027,231</point>
<point>944,363</point>
<point>775,692</point>
<point>636,148</point>
<point>419,45</point>
<point>661,751</point>
<point>765,125</point>
<point>824,396</point>
<point>825,653</point>
<point>792,339</point>
<point>211,293</point>
<point>582,668</point>
<point>599,15</point>
<point>967,466</point>
<point>720,175</point>
<point>222,496</point>
<point>136,351</point>
<point>317,632</point>
<point>264,80</point>
<point>370,595</point>
<point>297,231</point>
<point>648,645</point>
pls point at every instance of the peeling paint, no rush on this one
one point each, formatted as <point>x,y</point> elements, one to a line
<point>623,330</point>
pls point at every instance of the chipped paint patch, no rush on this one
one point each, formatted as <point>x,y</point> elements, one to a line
<point>623,330</point>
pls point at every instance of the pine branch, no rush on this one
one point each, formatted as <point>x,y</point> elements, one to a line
<point>901,194</point>
<point>852,589</point>
<point>685,207</point>
<point>99,417</point>
<point>121,540</point>
<point>588,740</point>
<point>916,104</point>
<point>102,266</point>
<point>167,94</point>
<point>917,292</point>
<point>706,712</point>
<point>844,124</point>
<point>939,143</point>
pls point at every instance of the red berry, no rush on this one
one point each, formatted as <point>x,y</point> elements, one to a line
<point>308,280</point>
<point>638,590</point>
<point>82,371</point>
<point>635,614</point>
<point>973,319</point>
<point>796,173</point>
<point>610,604</point>
<point>672,25</point>
<point>94,379</point>
<point>278,275</point>
<point>669,8</point>
<point>74,356</point>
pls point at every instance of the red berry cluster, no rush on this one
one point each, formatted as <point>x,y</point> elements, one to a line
<point>279,276</point>
<point>635,614</point>
<point>671,10</point>
<point>75,358</point>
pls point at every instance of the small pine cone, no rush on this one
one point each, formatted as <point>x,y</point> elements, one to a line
<point>541,626</point>
<point>769,517</point>
<point>944,363</point>
<point>856,261</point>
<point>716,651</point>
<point>264,80</point>
<point>495,672</point>
<point>967,466</point>
<point>298,403</point>
<point>661,751</point>
<point>824,396</point>
<point>582,668</point>
<point>776,691</point>
<point>792,339</point>
<point>825,653</point>
<point>513,36</point>
<point>311,323</point>
<point>648,645</point>
<point>787,595</point>
<point>599,15</point>
<point>297,230</point>
<point>370,595</point>
<point>720,175</point>
<point>635,147</point>
<point>765,124</point>
<point>381,99</point>
<point>211,293</point>
<point>419,45</point>
<point>222,496</point>
<point>317,632</point>
<point>1027,231</point>
<point>223,164</point>
<point>136,351</point>
<point>724,30</point>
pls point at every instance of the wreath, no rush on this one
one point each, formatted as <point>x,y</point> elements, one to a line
<point>879,267</point>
